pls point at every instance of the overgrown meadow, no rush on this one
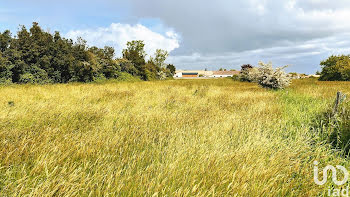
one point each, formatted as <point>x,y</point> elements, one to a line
<point>214,137</point>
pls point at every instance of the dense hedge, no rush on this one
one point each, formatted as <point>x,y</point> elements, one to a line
<point>36,56</point>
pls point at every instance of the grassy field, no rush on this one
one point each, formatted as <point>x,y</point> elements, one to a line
<point>174,138</point>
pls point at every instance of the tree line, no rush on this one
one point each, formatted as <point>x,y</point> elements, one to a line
<point>37,56</point>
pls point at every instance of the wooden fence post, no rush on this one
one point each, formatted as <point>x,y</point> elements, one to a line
<point>340,98</point>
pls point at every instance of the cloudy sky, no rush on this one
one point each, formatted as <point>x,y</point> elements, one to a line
<point>199,33</point>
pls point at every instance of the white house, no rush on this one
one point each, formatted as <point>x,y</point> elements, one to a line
<point>218,74</point>
<point>192,73</point>
<point>203,73</point>
<point>178,74</point>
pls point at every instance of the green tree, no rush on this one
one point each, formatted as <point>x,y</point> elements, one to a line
<point>127,66</point>
<point>103,58</point>
<point>171,68</point>
<point>5,40</point>
<point>135,52</point>
<point>159,58</point>
<point>19,52</point>
<point>5,70</point>
<point>330,70</point>
<point>244,74</point>
<point>343,66</point>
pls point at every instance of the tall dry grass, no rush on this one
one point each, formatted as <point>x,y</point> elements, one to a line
<point>174,138</point>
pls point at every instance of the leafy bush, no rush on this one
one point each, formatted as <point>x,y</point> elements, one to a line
<point>244,75</point>
<point>253,74</point>
<point>171,69</point>
<point>27,78</point>
<point>39,75</point>
<point>5,81</point>
<point>265,75</point>
<point>5,70</point>
<point>336,68</point>
<point>35,75</point>
<point>5,74</point>
<point>161,75</point>
<point>127,66</point>
<point>268,77</point>
<point>149,75</point>
<point>100,78</point>
<point>169,74</point>
<point>235,77</point>
<point>123,76</point>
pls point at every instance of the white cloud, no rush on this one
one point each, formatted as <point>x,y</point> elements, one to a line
<point>302,56</point>
<point>218,33</point>
<point>117,35</point>
<point>230,33</point>
<point>233,26</point>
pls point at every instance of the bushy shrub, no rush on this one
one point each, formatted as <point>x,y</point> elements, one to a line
<point>244,75</point>
<point>265,75</point>
<point>161,75</point>
<point>171,69</point>
<point>39,75</point>
<point>253,74</point>
<point>27,78</point>
<point>169,74</point>
<point>149,75</point>
<point>5,74</point>
<point>268,77</point>
<point>35,75</point>
<point>336,68</point>
<point>100,78</point>
<point>127,66</point>
<point>5,81</point>
<point>123,76</point>
<point>5,70</point>
<point>235,78</point>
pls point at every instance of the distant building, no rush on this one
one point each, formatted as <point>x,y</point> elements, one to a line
<point>218,74</point>
<point>313,76</point>
<point>301,76</point>
<point>316,76</point>
<point>204,73</point>
<point>191,74</point>
<point>177,74</point>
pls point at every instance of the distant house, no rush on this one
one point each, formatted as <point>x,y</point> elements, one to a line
<point>205,74</point>
<point>191,74</point>
<point>218,74</point>
<point>316,76</point>
<point>178,74</point>
<point>301,76</point>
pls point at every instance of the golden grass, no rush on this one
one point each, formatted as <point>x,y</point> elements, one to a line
<point>174,138</point>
